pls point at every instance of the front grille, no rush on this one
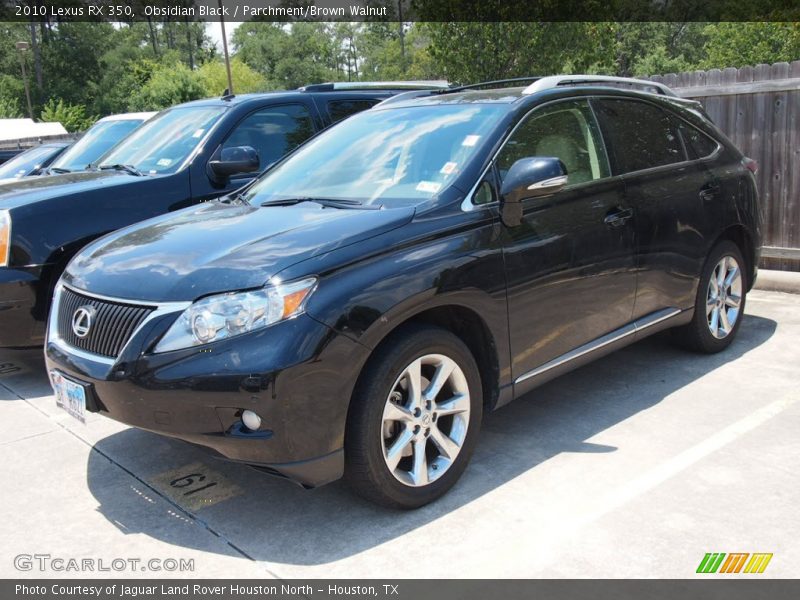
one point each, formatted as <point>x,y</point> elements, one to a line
<point>113,323</point>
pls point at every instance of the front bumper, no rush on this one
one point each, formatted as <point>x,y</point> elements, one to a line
<point>296,375</point>
<point>18,302</point>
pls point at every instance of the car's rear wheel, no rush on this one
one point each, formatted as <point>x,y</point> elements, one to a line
<point>720,303</point>
<point>414,419</point>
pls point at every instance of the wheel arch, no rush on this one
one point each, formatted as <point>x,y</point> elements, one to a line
<point>462,321</point>
<point>739,235</point>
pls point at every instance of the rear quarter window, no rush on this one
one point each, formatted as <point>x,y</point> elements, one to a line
<point>698,144</point>
<point>341,109</point>
<point>639,135</point>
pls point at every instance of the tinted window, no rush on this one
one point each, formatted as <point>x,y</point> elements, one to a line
<point>698,144</point>
<point>26,162</point>
<point>164,143</point>
<point>566,130</point>
<point>639,135</point>
<point>341,109</point>
<point>94,143</point>
<point>273,131</point>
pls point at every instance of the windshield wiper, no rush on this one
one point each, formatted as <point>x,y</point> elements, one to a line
<point>127,168</point>
<point>59,170</point>
<point>331,202</point>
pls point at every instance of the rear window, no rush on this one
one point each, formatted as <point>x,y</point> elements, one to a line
<point>639,135</point>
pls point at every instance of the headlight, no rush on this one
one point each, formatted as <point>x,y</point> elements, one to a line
<point>5,237</point>
<point>225,315</point>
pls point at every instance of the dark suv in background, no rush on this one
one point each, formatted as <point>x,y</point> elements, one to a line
<point>359,307</point>
<point>186,154</point>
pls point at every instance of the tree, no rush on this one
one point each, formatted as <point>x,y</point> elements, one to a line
<point>72,117</point>
<point>9,109</point>
<point>261,46</point>
<point>167,86</point>
<point>214,78</point>
<point>71,59</point>
<point>652,48</point>
<point>471,52</point>
<point>740,44</point>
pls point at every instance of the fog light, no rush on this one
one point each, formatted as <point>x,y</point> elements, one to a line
<point>251,420</point>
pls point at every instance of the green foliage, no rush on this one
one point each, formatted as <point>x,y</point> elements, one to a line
<point>470,52</point>
<point>149,65</point>
<point>12,97</point>
<point>73,117</point>
<point>9,109</point>
<point>168,85</point>
<point>741,44</point>
<point>214,78</point>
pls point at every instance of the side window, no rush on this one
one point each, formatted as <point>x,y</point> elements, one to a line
<point>698,144</point>
<point>341,109</point>
<point>566,130</point>
<point>484,194</point>
<point>639,135</point>
<point>273,131</point>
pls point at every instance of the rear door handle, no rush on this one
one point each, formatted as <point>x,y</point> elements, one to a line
<point>709,192</point>
<point>617,217</point>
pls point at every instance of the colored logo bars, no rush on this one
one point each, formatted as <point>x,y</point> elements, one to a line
<point>737,562</point>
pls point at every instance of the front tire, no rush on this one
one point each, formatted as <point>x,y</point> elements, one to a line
<point>719,307</point>
<point>414,418</point>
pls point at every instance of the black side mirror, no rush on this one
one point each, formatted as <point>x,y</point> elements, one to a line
<point>529,178</point>
<point>234,160</point>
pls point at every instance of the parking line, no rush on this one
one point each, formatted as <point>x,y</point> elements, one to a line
<point>563,528</point>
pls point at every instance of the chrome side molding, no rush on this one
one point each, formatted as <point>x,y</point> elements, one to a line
<point>609,338</point>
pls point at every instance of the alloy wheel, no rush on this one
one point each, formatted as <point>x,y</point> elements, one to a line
<point>724,297</point>
<point>425,420</point>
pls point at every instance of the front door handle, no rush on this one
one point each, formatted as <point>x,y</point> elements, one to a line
<point>617,217</point>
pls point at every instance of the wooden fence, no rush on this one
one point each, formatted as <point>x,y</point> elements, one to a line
<point>758,108</point>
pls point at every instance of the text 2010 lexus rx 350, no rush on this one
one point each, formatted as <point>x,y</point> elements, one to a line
<point>359,307</point>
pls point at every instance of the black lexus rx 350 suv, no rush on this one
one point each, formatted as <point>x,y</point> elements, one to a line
<point>358,308</point>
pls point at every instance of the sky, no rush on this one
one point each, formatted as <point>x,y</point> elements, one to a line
<point>214,31</point>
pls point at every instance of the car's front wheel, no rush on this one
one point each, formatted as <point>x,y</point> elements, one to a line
<point>414,418</point>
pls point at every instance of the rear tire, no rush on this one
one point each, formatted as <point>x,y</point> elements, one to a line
<point>414,418</point>
<point>720,303</point>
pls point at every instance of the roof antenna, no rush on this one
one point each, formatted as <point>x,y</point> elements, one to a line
<point>226,95</point>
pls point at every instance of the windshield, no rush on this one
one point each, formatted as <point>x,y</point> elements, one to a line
<point>94,143</point>
<point>22,164</point>
<point>395,156</point>
<point>163,143</point>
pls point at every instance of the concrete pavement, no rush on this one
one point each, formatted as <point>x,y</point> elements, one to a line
<point>634,466</point>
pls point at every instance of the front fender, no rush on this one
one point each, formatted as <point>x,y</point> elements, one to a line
<point>417,268</point>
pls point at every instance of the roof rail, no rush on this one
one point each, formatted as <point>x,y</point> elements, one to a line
<point>482,84</point>
<point>402,96</point>
<point>375,85</point>
<point>546,83</point>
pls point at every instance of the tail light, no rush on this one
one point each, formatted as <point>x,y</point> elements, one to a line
<point>750,164</point>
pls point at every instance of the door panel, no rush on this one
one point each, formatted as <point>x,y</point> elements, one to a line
<point>676,218</point>
<point>570,263</point>
<point>676,199</point>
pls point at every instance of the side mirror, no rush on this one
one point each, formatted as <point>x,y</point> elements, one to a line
<point>529,178</point>
<point>234,160</point>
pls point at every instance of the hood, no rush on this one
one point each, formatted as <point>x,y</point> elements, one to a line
<point>18,192</point>
<point>219,248</point>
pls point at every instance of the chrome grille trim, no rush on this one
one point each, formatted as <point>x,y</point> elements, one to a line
<point>114,338</point>
<point>112,326</point>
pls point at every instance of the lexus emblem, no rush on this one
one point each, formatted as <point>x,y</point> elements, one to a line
<point>82,321</point>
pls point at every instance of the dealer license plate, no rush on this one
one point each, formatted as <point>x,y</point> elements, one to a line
<point>70,396</point>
